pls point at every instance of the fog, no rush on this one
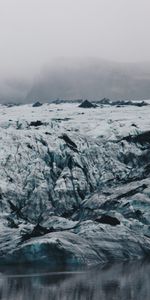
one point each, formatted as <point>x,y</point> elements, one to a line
<point>91,79</point>
<point>36,35</point>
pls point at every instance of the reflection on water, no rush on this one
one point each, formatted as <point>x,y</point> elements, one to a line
<point>122,281</point>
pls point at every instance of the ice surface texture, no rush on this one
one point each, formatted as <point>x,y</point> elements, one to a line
<point>74,183</point>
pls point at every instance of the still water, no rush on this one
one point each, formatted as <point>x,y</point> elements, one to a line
<point>122,281</point>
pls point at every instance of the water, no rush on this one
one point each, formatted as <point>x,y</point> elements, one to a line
<point>122,281</point>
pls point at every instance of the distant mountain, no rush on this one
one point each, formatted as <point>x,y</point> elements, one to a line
<point>92,79</point>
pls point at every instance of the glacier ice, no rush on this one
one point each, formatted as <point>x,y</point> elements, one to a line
<point>74,183</point>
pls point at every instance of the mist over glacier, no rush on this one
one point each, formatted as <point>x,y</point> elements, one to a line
<point>78,79</point>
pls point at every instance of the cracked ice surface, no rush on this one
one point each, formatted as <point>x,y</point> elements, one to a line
<point>60,175</point>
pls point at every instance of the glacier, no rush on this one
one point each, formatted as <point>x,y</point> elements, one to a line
<point>74,184</point>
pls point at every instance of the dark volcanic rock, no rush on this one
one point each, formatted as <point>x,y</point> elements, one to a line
<point>105,219</point>
<point>141,138</point>
<point>68,141</point>
<point>105,101</point>
<point>37,104</point>
<point>36,123</point>
<point>120,103</point>
<point>87,104</point>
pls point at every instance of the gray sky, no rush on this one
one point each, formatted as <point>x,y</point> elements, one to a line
<point>34,32</point>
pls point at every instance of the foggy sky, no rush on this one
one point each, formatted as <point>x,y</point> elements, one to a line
<point>35,32</point>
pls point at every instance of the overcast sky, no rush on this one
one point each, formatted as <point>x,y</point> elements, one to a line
<point>34,32</point>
